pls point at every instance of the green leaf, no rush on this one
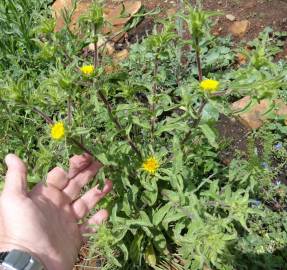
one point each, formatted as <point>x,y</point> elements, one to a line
<point>149,197</point>
<point>150,256</point>
<point>209,134</point>
<point>142,221</point>
<point>178,156</point>
<point>159,242</point>
<point>124,250</point>
<point>160,214</point>
<point>209,114</point>
<point>119,234</point>
<point>172,216</point>
<point>141,123</point>
<point>135,247</point>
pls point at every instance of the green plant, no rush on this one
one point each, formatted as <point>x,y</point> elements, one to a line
<point>151,123</point>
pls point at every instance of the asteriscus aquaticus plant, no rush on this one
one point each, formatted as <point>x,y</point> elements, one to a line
<point>151,165</point>
<point>57,131</point>
<point>87,70</point>
<point>209,85</point>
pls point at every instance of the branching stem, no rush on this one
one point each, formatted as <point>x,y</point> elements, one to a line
<point>195,123</point>
<point>51,122</point>
<point>117,123</point>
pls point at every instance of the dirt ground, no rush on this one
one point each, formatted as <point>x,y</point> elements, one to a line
<point>259,13</point>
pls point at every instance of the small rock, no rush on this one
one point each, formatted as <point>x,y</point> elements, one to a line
<point>117,21</point>
<point>107,47</point>
<point>239,28</point>
<point>110,69</point>
<point>60,5</point>
<point>255,117</point>
<point>241,59</point>
<point>230,17</point>
<point>120,56</point>
<point>171,11</point>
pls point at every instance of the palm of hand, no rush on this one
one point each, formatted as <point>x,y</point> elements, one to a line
<point>45,221</point>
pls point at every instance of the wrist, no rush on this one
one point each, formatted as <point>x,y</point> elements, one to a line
<point>9,246</point>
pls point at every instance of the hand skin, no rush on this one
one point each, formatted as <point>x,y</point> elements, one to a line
<point>44,221</point>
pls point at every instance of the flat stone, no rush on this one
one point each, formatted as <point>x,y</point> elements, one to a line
<point>255,118</point>
<point>230,17</point>
<point>114,16</point>
<point>116,21</point>
<point>60,5</point>
<point>239,29</point>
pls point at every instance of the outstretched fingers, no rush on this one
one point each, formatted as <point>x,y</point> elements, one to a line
<point>97,219</point>
<point>73,189</point>
<point>87,202</point>
<point>57,178</point>
<point>79,163</point>
<point>16,176</point>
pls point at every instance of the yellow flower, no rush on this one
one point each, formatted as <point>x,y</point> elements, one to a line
<point>150,165</point>
<point>87,70</point>
<point>209,85</point>
<point>58,131</point>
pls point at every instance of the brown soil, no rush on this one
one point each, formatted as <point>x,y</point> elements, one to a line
<point>232,134</point>
<point>260,14</point>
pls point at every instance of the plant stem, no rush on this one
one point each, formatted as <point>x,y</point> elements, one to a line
<point>154,92</point>
<point>117,123</point>
<point>179,21</point>
<point>96,56</point>
<point>51,122</point>
<point>195,123</point>
<point>107,104</point>
<point>69,111</point>
<point>81,146</point>
<point>43,115</point>
<point>198,60</point>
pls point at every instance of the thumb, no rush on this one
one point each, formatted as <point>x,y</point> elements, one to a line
<point>15,180</point>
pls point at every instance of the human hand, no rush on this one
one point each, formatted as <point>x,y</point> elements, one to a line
<point>44,222</point>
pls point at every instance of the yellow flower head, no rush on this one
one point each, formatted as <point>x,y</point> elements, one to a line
<point>58,131</point>
<point>209,85</point>
<point>87,70</point>
<point>150,165</point>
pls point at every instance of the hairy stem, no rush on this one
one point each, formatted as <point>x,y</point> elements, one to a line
<point>69,111</point>
<point>43,115</point>
<point>198,60</point>
<point>96,56</point>
<point>154,92</point>
<point>195,123</point>
<point>117,123</point>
